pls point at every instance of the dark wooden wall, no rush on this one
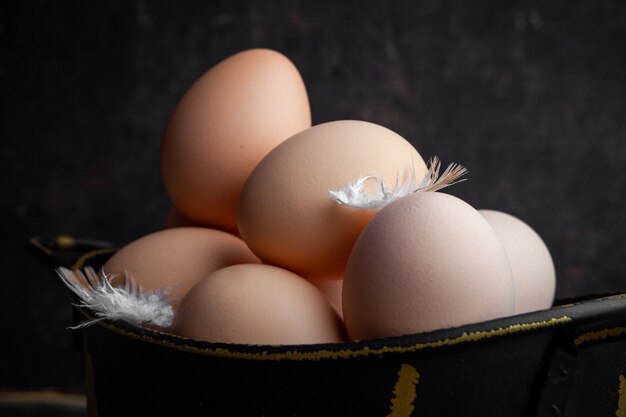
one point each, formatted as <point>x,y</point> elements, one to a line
<point>529,95</point>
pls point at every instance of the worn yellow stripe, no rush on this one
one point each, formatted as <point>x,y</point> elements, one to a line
<point>295,355</point>
<point>65,242</point>
<point>600,335</point>
<point>608,297</point>
<point>621,402</point>
<point>42,397</point>
<point>404,392</point>
<point>36,241</point>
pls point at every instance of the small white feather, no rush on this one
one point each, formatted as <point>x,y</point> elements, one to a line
<point>356,195</point>
<point>128,302</point>
<point>433,182</point>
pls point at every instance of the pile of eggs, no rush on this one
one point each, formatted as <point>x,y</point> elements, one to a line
<point>255,251</point>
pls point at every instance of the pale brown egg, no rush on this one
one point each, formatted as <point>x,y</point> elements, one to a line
<point>257,304</point>
<point>426,261</point>
<point>286,215</point>
<point>178,257</point>
<point>331,288</point>
<point>531,263</point>
<point>224,125</point>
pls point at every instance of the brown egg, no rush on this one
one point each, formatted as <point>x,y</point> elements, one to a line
<point>531,263</point>
<point>426,261</point>
<point>286,215</point>
<point>178,257</point>
<point>223,126</point>
<point>257,304</point>
<point>331,288</point>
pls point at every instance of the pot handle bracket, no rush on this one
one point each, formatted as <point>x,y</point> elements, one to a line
<point>67,251</point>
<point>72,253</point>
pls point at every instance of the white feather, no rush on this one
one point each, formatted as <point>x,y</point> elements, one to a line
<point>356,195</point>
<point>128,302</point>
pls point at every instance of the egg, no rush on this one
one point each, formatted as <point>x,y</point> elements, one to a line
<point>257,304</point>
<point>332,289</point>
<point>531,263</point>
<point>425,261</point>
<point>286,215</point>
<point>223,126</point>
<point>177,258</point>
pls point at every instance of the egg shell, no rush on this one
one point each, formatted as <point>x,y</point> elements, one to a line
<point>531,263</point>
<point>286,215</point>
<point>178,257</point>
<point>332,289</point>
<point>223,126</point>
<point>257,304</point>
<point>426,261</point>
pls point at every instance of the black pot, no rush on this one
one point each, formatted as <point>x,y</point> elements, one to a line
<point>569,361</point>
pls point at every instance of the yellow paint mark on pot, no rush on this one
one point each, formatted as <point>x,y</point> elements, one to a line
<point>65,242</point>
<point>600,335</point>
<point>404,392</point>
<point>621,402</point>
<point>36,242</point>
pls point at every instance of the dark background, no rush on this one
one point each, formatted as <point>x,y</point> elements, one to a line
<point>529,95</point>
